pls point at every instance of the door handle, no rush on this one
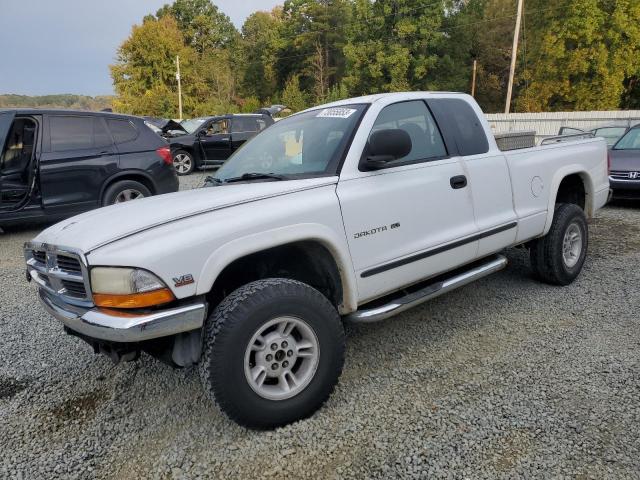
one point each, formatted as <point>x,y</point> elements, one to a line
<point>459,181</point>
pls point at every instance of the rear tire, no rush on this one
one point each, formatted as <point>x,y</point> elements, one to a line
<point>183,162</point>
<point>273,352</point>
<point>558,257</point>
<point>124,191</point>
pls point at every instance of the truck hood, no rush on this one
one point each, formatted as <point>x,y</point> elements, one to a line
<point>100,227</point>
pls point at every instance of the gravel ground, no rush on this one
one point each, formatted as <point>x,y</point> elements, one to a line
<point>506,378</point>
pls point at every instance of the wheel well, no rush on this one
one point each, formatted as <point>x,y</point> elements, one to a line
<point>136,178</point>
<point>306,261</point>
<point>572,190</point>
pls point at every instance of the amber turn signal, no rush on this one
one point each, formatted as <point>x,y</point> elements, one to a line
<point>134,300</point>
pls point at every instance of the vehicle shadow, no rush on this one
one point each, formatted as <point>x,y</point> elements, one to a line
<point>625,203</point>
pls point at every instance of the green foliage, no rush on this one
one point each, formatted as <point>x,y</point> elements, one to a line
<point>144,75</point>
<point>583,53</point>
<point>73,102</point>
<point>260,44</point>
<point>204,26</point>
<point>574,54</point>
<point>292,96</point>
<point>392,45</point>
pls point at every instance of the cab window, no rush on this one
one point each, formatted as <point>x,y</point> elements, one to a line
<point>71,133</point>
<point>217,127</point>
<point>414,118</point>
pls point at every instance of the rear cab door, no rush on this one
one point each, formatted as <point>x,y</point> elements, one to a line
<point>485,168</point>
<point>78,154</point>
<point>242,129</point>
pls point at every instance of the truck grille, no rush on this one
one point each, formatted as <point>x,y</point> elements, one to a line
<point>620,175</point>
<point>60,272</point>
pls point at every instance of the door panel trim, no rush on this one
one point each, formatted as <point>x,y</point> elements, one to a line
<point>434,251</point>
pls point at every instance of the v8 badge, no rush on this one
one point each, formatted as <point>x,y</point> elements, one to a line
<point>183,280</point>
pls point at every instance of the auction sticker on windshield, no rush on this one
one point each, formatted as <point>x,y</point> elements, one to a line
<point>336,113</point>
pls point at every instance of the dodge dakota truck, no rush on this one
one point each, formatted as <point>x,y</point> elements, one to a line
<point>350,211</point>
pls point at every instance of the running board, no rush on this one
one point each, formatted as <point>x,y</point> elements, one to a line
<point>382,312</point>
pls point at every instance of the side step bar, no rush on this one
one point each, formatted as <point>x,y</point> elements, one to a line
<point>375,314</point>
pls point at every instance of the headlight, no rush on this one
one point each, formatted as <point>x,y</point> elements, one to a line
<point>115,287</point>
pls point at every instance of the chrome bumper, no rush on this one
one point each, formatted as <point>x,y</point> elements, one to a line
<point>125,327</point>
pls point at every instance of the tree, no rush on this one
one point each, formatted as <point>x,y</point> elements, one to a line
<point>203,26</point>
<point>313,36</point>
<point>392,44</point>
<point>292,96</point>
<point>144,74</point>
<point>583,52</point>
<point>260,42</point>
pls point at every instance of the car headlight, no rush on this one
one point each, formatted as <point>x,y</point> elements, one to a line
<point>117,287</point>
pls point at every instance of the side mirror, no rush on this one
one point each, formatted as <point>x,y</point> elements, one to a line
<point>386,146</point>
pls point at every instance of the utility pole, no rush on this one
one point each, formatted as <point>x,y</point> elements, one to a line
<point>179,87</point>
<point>514,55</point>
<point>473,78</point>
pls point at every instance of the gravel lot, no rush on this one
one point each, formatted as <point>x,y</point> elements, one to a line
<point>501,379</point>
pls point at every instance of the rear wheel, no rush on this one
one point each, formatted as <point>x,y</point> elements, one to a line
<point>124,191</point>
<point>558,257</point>
<point>273,353</point>
<point>183,162</point>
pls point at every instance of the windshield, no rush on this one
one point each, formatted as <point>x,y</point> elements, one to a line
<point>309,143</point>
<point>631,141</point>
<point>192,124</point>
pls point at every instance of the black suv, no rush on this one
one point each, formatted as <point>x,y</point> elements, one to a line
<point>211,140</point>
<point>58,163</point>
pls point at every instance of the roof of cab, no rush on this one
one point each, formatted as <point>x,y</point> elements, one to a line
<point>379,96</point>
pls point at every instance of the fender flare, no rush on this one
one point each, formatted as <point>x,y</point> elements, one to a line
<point>558,177</point>
<point>241,247</point>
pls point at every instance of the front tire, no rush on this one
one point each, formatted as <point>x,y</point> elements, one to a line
<point>558,257</point>
<point>273,353</point>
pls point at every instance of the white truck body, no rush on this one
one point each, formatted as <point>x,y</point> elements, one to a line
<point>385,229</point>
<point>201,231</point>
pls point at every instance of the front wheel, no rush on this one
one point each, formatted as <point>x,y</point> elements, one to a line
<point>273,353</point>
<point>558,257</point>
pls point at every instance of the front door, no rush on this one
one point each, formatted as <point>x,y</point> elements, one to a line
<point>408,221</point>
<point>78,155</point>
<point>216,140</point>
<point>6,120</point>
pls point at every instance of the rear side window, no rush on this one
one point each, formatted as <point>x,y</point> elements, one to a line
<point>461,120</point>
<point>101,136</point>
<point>122,130</point>
<point>415,119</point>
<point>70,133</point>
<point>244,124</point>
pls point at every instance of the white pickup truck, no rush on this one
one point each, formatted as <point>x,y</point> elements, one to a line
<point>351,211</point>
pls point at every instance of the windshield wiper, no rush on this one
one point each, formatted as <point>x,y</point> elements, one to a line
<point>254,176</point>
<point>212,180</point>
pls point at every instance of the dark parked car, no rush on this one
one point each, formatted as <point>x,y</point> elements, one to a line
<point>211,140</point>
<point>624,175</point>
<point>57,163</point>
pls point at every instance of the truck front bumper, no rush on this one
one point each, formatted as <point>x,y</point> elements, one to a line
<point>125,327</point>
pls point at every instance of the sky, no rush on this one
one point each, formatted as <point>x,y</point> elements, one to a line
<point>66,46</point>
